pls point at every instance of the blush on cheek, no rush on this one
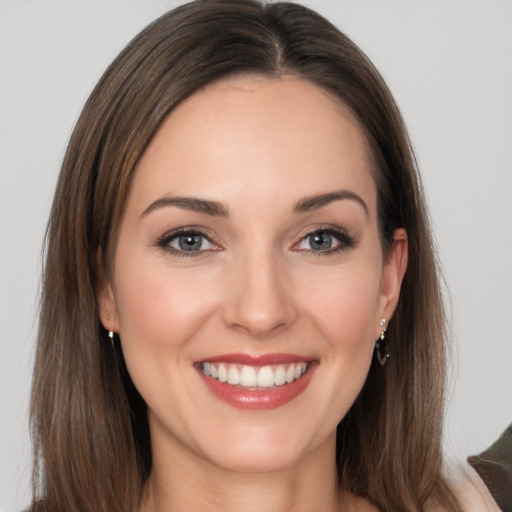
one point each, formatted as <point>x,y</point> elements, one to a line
<point>349,314</point>
<point>161,308</point>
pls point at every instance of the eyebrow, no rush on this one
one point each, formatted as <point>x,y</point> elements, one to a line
<point>307,204</point>
<point>213,208</point>
<point>218,209</point>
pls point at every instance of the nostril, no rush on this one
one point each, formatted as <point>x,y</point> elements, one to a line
<point>258,328</point>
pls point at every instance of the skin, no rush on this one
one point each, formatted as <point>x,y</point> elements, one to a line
<point>258,146</point>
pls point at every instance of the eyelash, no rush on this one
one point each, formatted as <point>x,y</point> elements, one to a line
<point>345,240</point>
<point>164,242</point>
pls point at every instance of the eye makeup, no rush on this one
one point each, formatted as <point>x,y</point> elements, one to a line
<point>194,242</point>
<point>324,241</point>
<point>187,242</point>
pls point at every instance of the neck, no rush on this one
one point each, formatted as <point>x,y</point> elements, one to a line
<point>197,484</point>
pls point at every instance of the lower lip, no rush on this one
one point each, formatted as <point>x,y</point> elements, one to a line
<point>258,399</point>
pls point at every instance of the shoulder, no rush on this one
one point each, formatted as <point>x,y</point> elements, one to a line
<point>494,466</point>
<point>472,492</point>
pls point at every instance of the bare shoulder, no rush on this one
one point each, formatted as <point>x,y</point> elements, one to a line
<point>471,491</point>
<point>469,488</point>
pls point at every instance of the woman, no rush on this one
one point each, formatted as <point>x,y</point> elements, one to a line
<point>238,219</point>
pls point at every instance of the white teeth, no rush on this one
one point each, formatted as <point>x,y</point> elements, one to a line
<point>233,376</point>
<point>248,376</point>
<point>223,373</point>
<point>266,377</point>
<point>251,376</point>
<point>280,377</point>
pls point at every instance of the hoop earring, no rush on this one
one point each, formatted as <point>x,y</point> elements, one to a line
<point>381,351</point>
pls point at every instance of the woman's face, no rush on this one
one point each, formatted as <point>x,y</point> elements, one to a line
<point>249,281</point>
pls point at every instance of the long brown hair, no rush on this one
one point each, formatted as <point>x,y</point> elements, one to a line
<point>91,437</point>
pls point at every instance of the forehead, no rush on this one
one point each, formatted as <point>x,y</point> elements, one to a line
<point>254,137</point>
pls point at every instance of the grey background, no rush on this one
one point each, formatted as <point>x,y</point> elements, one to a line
<point>449,64</point>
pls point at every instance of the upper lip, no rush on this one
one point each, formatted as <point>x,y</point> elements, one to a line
<point>257,359</point>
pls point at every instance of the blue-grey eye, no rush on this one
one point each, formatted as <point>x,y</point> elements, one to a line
<point>190,242</point>
<point>320,241</point>
<point>324,241</point>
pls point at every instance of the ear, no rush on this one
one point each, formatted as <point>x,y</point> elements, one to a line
<point>105,296</point>
<point>393,273</point>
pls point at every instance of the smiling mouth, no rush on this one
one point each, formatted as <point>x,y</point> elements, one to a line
<point>254,377</point>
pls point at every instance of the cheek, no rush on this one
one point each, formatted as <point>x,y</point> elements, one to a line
<point>344,305</point>
<point>160,312</point>
<point>158,304</point>
<point>341,310</point>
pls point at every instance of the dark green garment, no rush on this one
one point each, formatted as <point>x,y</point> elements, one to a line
<point>495,468</point>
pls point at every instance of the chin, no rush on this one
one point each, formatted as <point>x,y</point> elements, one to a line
<point>259,451</point>
<point>255,461</point>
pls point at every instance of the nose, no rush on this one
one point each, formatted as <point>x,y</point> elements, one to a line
<point>260,300</point>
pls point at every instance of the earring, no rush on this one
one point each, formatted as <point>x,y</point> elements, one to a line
<point>110,333</point>
<point>381,351</point>
<point>111,337</point>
